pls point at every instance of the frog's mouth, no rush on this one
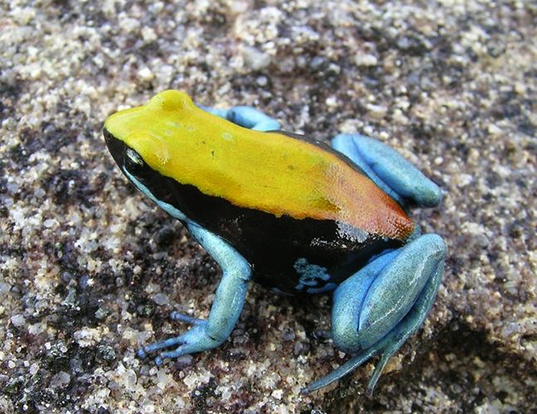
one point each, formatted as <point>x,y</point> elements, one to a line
<point>116,147</point>
<point>162,190</point>
<point>139,174</point>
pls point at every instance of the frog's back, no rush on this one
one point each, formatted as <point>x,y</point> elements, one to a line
<point>286,204</point>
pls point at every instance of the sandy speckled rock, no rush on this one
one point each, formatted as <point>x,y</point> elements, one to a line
<point>90,269</point>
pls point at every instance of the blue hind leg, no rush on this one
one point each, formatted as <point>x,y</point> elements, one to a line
<point>389,170</point>
<point>377,309</point>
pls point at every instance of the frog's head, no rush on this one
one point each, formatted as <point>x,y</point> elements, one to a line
<point>146,133</point>
<point>145,141</point>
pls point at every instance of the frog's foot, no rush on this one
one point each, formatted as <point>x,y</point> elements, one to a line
<point>378,308</point>
<point>196,339</point>
<point>389,170</point>
<point>246,117</point>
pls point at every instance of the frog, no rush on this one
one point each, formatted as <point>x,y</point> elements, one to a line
<point>291,213</point>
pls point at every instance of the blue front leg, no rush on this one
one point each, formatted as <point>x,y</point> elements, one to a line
<point>226,308</point>
<point>246,117</point>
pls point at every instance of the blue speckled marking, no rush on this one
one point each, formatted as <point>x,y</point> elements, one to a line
<point>311,276</point>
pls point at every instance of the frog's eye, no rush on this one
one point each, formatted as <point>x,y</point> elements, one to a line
<point>133,161</point>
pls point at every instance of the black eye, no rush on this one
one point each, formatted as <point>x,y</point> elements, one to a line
<point>133,161</point>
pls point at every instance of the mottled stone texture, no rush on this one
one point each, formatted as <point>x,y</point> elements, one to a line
<point>90,269</point>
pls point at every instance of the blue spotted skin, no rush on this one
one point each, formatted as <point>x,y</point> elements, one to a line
<point>374,311</point>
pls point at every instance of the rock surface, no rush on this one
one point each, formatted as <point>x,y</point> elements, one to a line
<point>89,269</point>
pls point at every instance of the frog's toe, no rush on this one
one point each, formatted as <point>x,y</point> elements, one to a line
<point>156,346</point>
<point>340,372</point>
<point>196,339</point>
<point>181,317</point>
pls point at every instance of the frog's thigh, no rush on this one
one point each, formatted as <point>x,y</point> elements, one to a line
<point>377,309</point>
<point>402,280</point>
<point>246,117</point>
<point>388,169</point>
